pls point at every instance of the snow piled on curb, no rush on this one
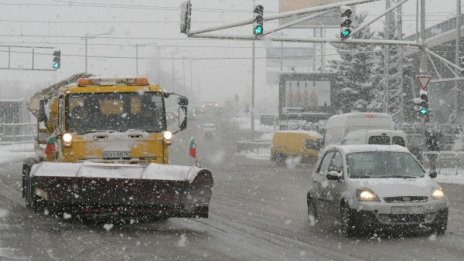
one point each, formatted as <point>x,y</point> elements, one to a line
<point>16,152</point>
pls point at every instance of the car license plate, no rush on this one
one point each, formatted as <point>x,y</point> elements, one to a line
<point>407,210</point>
<point>116,154</point>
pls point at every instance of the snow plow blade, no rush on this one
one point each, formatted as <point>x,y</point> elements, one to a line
<point>99,189</point>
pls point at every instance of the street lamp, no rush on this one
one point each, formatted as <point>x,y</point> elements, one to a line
<point>86,37</point>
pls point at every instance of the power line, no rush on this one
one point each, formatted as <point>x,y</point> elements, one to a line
<point>133,45</point>
<point>72,4</point>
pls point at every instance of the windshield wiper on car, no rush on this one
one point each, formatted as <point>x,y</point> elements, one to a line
<point>360,177</point>
<point>397,176</point>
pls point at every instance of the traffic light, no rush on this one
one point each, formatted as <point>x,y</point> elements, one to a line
<point>56,59</point>
<point>422,104</point>
<point>185,16</point>
<point>258,28</point>
<point>345,23</point>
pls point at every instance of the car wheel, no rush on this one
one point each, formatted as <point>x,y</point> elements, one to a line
<point>346,221</point>
<point>312,212</point>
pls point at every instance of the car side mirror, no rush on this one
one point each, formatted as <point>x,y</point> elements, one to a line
<point>433,174</point>
<point>334,175</point>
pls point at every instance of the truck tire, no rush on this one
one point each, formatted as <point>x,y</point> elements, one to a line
<point>26,170</point>
<point>280,160</point>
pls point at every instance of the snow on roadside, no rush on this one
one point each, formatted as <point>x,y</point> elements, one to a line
<point>16,152</point>
<point>452,179</point>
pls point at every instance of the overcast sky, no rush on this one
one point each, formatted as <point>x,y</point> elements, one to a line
<point>219,68</point>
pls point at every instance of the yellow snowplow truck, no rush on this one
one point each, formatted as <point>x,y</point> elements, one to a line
<point>102,149</point>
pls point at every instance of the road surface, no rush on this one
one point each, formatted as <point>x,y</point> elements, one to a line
<point>258,212</point>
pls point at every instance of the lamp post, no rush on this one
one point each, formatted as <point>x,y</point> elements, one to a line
<point>86,38</point>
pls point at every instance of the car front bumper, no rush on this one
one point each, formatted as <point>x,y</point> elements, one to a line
<point>374,214</point>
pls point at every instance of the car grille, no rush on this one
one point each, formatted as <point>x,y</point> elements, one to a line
<point>412,199</point>
<point>402,218</point>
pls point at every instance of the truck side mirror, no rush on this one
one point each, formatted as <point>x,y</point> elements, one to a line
<point>182,101</point>
<point>182,113</point>
<point>42,114</point>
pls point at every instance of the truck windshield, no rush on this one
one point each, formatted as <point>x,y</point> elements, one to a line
<point>115,112</point>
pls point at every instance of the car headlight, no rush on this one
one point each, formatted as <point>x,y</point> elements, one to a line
<point>366,195</point>
<point>437,194</point>
<point>67,139</point>
<point>167,135</point>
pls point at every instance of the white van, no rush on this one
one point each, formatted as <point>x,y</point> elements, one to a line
<point>381,137</point>
<point>338,126</point>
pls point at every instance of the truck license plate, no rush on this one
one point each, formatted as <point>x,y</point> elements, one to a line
<point>116,154</point>
<point>407,210</point>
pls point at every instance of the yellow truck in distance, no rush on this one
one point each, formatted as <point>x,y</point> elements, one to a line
<point>304,144</point>
<point>103,150</point>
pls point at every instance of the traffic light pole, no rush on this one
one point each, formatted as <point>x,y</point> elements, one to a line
<point>423,67</point>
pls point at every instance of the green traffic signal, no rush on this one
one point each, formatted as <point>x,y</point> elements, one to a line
<point>56,65</point>
<point>346,33</point>
<point>423,111</point>
<point>258,30</point>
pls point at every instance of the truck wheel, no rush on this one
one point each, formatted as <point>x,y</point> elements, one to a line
<point>25,177</point>
<point>32,201</point>
<point>280,160</point>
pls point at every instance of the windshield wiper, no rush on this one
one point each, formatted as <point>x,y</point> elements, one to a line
<point>397,176</point>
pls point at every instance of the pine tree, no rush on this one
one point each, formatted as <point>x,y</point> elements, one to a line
<point>353,81</point>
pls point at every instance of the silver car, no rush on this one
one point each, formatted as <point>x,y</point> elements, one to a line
<point>366,187</point>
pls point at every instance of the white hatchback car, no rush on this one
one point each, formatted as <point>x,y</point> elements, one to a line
<point>366,187</point>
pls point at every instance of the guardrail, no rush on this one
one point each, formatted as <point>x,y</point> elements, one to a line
<point>446,162</point>
<point>17,132</point>
<point>258,148</point>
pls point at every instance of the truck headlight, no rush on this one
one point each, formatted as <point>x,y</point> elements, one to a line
<point>437,194</point>
<point>67,139</point>
<point>167,135</point>
<point>366,195</point>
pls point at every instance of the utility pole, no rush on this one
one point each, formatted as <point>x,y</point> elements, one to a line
<point>172,69</point>
<point>252,110</point>
<point>387,59</point>
<point>457,58</point>
<point>183,70</point>
<point>86,53</point>
<point>191,79</point>
<point>136,59</point>
<point>158,64</point>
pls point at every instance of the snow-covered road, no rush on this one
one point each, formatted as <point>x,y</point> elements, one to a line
<point>258,212</point>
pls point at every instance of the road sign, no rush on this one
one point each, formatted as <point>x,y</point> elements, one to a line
<point>423,80</point>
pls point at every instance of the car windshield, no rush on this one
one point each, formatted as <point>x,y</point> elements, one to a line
<point>383,164</point>
<point>114,112</point>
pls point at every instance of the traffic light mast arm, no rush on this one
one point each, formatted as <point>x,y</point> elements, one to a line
<point>278,16</point>
<point>296,22</point>
<point>309,40</point>
<point>359,28</point>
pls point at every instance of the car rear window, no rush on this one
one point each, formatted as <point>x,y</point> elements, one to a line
<point>398,141</point>
<point>382,140</point>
